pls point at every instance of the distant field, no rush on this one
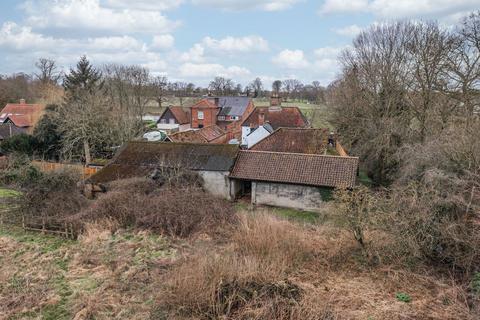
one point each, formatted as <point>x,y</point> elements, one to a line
<point>317,115</point>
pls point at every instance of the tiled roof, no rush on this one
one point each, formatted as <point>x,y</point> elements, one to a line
<point>23,115</point>
<point>8,130</point>
<point>21,121</point>
<point>290,117</point>
<point>293,168</point>
<point>233,106</point>
<point>295,140</point>
<point>140,158</point>
<point>180,114</point>
<point>205,103</point>
<point>204,135</point>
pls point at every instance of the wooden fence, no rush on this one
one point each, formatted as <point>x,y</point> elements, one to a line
<point>86,172</point>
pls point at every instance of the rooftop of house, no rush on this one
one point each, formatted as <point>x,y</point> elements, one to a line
<point>204,135</point>
<point>22,114</point>
<point>290,117</point>
<point>20,121</point>
<point>294,168</point>
<point>182,115</point>
<point>295,140</point>
<point>140,158</point>
<point>231,106</point>
<point>205,104</point>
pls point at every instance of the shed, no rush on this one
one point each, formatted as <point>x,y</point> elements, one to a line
<point>292,180</point>
<point>140,159</point>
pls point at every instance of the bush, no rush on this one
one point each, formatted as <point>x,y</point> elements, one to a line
<point>19,172</point>
<point>53,198</point>
<point>22,143</point>
<point>143,203</point>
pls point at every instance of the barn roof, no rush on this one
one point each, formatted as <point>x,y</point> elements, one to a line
<point>22,114</point>
<point>294,168</point>
<point>182,116</point>
<point>139,158</point>
<point>295,140</point>
<point>289,117</point>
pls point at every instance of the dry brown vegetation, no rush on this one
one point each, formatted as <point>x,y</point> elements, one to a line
<point>266,269</point>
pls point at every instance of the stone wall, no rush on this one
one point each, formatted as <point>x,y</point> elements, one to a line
<point>287,195</point>
<point>217,183</point>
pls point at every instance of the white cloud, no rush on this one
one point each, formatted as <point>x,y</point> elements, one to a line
<point>163,41</point>
<point>15,37</point>
<point>209,70</point>
<point>194,54</point>
<point>292,59</point>
<point>91,15</point>
<point>233,45</point>
<point>158,5</point>
<point>349,31</point>
<point>401,9</point>
<point>266,5</point>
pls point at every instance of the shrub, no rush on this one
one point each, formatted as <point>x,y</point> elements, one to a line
<point>53,198</point>
<point>403,297</point>
<point>142,203</point>
<point>357,207</point>
<point>22,143</point>
<point>19,172</point>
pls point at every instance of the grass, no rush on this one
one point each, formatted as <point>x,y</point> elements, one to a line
<point>263,268</point>
<point>53,278</point>
<point>9,193</point>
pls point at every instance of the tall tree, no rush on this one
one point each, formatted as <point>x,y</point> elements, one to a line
<point>257,87</point>
<point>83,78</point>
<point>48,71</point>
<point>277,87</point>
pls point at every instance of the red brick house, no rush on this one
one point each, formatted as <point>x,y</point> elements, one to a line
<point>226,112</point>
<point>204,114</point>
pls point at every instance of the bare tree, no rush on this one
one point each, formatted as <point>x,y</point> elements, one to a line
<point>257,87</point>
<point>48,71</point>
<point>221,86</point>
<point>277,87</point>
<point>159,87</point>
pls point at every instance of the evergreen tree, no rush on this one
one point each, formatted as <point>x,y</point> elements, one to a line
<point>85,78</point>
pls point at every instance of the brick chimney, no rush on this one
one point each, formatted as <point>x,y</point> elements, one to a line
<point>22,101</point>
<point>275,100</point>
<point>261,118</point>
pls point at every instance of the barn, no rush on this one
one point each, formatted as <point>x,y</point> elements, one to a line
<point>291,180</point>
<point>212,162</point>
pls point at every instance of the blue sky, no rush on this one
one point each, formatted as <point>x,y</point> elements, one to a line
<point>196,40</point>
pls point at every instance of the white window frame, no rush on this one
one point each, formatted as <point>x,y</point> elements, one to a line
<point>200,115</point>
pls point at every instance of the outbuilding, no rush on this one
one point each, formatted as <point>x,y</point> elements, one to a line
<point>291,180</point>
<point>212,162</point>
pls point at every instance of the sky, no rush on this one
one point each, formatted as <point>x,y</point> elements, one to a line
<point>196,40</point>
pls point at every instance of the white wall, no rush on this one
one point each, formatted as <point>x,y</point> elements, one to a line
<point>249,138</point>
<point>216,183</point>
<point>287,196</point>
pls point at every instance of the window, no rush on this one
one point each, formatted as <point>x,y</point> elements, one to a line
<point>200,116</point>
<point>163,121</point>
<point>172,121</point>
<point>221,118</point>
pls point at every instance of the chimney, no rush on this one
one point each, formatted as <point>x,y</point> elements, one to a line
<point>275,100</point>
<point>22,101</point>
<point>261,118</point>
<point>217,101</point>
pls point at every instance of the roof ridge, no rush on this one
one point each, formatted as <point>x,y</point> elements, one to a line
<point>299,154</point>
<point>182,143</point>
